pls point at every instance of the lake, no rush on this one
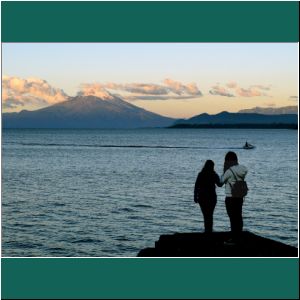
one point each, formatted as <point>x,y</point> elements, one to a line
<point>110,193</point>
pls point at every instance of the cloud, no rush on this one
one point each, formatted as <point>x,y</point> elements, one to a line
<point>220,91</point>
<point>250,92</point>
<point>18,92</point>
<point>12,103</point>
<point>170,89</point>
<point>34,93</point>
<point>235,90</point>
<point>231,84</point>
<point>256,90</point>
<point>146,88</point>
<point>94,89</point>
<point>179,88</point>
<point>157,97</point>
<point>261,87</point>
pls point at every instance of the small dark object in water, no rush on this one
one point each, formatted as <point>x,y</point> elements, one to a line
<point>248,146</point>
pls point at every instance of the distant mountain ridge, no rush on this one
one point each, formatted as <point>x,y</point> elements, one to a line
<point>113,112</point>
<point>240,118</point>
<point>86,112</point>
<point>272,110</point>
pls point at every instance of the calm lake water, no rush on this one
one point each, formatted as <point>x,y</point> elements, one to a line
<point>113,192</point>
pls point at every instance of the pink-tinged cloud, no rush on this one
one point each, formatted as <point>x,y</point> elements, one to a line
<point>18,92</point>
<point>174,86</point>
<point>250,92</point>
<point>94,89</point>
<point>235,90</point>
<point>179,88</point>
<point>231,84</point>
<point>220,91</point>
<point>157,97</point>
<point>146,88</point>
<point>261,87</point>
<point>142,91</point>
<point>192,89</point>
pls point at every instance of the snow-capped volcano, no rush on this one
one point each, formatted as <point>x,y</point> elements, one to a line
<point>87,112</point>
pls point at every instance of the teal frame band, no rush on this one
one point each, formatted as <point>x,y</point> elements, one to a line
<point>174,278</point>
<point>132,278</point>
<point>146,21</point>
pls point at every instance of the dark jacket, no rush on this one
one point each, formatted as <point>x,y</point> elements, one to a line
<point>205,186</point>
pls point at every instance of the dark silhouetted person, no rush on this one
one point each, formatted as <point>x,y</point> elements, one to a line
<point>205,193</point>
<point>232,172</point>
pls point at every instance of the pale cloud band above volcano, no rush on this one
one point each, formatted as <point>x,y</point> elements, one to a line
<point>34,93</point>
<point>170,89</point>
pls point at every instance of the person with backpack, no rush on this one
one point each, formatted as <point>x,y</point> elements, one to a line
<point>235,190</point>
<point>205,193</point>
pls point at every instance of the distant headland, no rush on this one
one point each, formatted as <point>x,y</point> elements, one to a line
<point>238,126</point>
<point>239,120</point>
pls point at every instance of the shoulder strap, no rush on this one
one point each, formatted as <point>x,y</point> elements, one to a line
<point>235,175</point>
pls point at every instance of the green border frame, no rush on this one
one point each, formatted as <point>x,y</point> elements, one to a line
<point>150,22</point>
<point>144,21</point>
<point>137,278</point>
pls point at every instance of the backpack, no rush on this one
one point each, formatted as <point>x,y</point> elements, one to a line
<point>239,189</point>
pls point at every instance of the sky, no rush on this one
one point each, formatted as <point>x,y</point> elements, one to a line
<point>173,79</point>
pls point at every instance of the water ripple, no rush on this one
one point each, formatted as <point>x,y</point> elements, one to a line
<point>110,193</point>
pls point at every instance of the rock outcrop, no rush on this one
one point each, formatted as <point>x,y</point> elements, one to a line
<point>214,245</point>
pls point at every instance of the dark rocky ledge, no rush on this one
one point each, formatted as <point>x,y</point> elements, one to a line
<point>212,245</point>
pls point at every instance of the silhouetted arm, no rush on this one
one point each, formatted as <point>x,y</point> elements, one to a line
<point>218,181</point>
<point>225,177</point>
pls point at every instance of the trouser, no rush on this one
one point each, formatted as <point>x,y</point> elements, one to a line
<point>234,211</point>
<point>207,208</point>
